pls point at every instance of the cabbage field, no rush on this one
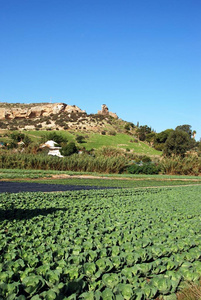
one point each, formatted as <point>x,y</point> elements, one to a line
<point>101,244</point>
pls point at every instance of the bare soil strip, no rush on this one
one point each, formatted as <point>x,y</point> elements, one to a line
<point>18,187</point>
<point>67,176</point>
<point>63,176</point>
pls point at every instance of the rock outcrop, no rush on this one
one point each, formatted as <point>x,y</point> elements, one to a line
<point>105,112</point>
<point>48,116</point>
<point>36,111</point>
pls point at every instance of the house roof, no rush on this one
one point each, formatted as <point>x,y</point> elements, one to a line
<point>51,145</point>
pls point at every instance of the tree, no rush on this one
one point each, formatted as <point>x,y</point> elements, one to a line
<point>177,143</point>
<point>142,131</point>
<point>160,138</point>
<point>150,137</point>
<point>80,139</point>
<point>20,137</point>
<point>69,149</point>
<point>194,134</point>
<point>58,138</point>
<point>127,127</point>
<point>17,136</point>
<point>199,148</point>
<point>186,128</point>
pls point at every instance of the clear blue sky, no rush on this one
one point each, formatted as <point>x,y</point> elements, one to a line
<point>141,58</point>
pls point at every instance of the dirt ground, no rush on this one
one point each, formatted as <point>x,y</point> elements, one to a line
<point>63,176</point>
<point>16,187</point>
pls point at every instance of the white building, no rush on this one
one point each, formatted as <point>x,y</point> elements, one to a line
<point>53,149</point>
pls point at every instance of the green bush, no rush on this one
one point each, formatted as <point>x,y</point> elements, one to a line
<point>17,136</point>
<point>69,149</point>
<point>146,168</point>
<point>127,127</point>
<point>146,159</point>
<point>58,138</point>
<point>112,132</point>
<point>80,139</point>
<point>109,152</point>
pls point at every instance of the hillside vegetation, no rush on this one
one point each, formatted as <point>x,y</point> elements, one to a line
<point>94,143</point>
<point>95,140</point>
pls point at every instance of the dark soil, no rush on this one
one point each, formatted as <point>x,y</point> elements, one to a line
<point>17,187</point>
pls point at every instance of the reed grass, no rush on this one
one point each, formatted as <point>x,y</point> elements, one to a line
<point>84,163</point>
<point>189,165</point>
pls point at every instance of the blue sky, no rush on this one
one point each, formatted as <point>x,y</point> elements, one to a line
<point>141,58</point>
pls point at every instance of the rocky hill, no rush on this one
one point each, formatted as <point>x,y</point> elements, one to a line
<point>30,111</point>
<point>47,116</point>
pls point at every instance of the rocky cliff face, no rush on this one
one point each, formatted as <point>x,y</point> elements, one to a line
<point>27,111</point>
<point>57,116</point>
<point>36,111</point>
<point>105,112</point>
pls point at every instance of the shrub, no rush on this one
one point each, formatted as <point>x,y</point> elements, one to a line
<point>112,132</point>
<point>159,147</point>
<point>146,168</point>
<point>13,128</point>
<point>142,136</point>
<point>39,126</point>
<point>56,137</point>
<point>177,143</point>
<point>69,149</point>
<point>27,141</point>
<point>146,159</point>
<point>3,125</point>
<point>80,139</point>
<point>17,136</point>
<point>109,152</point>
<point>12,145</point>
<point>127,126</point>
<point>136,141</point>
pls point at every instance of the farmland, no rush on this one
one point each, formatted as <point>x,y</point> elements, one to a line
<point>96,179</point>
<point>103,244</point>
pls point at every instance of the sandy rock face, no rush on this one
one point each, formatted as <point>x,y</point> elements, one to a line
<point>73,108</point>
<point>36,111</point>
<point>105,111</point>
<point>13,113</point>
<point>2,113</point>
<point>113,115</point>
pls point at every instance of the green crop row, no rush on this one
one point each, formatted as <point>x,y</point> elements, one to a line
<point>115,182</point>
<point>106,244</point>
<point>127,181</point>
<point>32,173</point>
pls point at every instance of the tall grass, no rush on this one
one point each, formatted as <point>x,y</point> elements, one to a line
<point>189,165</point>
<point>84,163</point>
<point>106,160</point>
